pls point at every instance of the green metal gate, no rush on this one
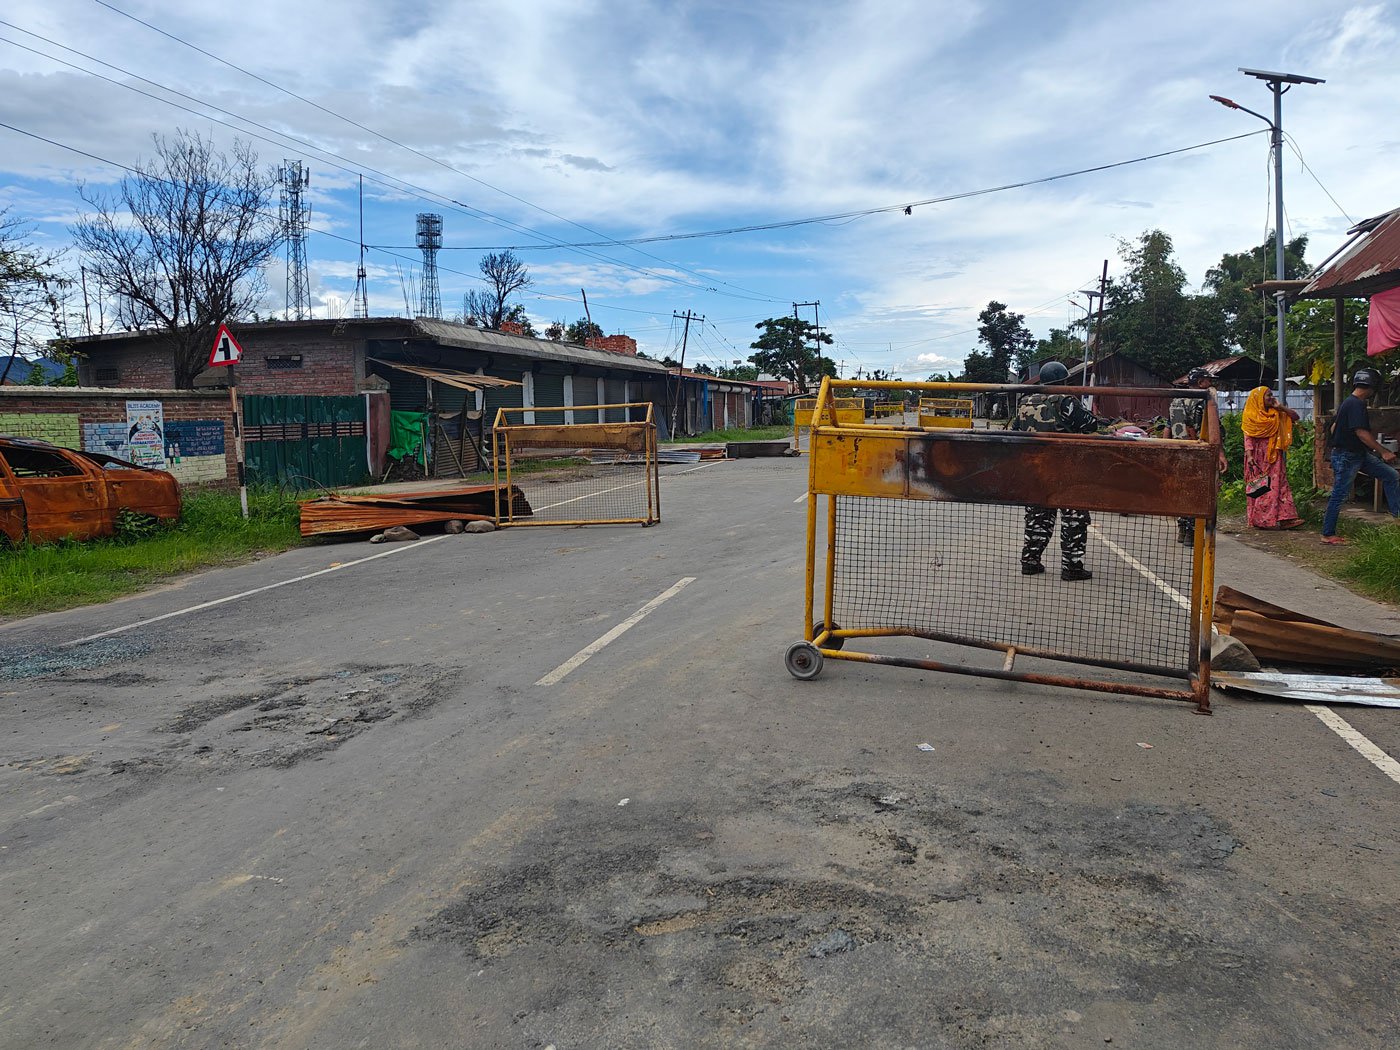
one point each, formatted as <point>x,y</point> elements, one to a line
<point>298,441</point>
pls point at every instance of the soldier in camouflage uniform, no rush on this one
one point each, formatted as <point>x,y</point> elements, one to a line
<point>1187,416</point>
<point>1043,412</point>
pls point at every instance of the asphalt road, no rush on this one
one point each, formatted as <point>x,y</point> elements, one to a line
<point>344,812</point>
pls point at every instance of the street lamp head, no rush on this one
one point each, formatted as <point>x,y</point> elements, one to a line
<point>1231,103</point>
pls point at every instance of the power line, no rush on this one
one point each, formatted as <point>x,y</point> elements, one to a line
<point>399,185</point>
<point>1294,147</point>
<point>862,212</point>
<point>435,160</point>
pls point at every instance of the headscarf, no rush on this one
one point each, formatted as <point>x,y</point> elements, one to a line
<point>1262,422</point>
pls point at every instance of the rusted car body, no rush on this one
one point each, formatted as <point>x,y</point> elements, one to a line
<point>49,493</point>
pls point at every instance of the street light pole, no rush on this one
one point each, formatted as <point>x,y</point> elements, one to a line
<point>1276,82</point>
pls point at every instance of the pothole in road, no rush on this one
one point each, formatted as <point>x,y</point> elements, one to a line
<point>290,720</point>
<point>811,897</point>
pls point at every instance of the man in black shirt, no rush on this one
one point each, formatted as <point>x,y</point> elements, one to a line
<point>1355,448</point>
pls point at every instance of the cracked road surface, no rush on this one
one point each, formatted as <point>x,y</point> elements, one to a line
<point>344,813</point>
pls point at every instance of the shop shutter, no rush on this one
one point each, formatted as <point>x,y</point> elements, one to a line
<point>549,390</point>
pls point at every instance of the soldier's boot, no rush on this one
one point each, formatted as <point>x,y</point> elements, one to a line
<point>1031,568</point>
<point>1075,572</point>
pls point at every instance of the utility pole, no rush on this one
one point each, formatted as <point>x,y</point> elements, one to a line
<point>680,372</point>
<point>816,313</point>
<point>1279,84</point>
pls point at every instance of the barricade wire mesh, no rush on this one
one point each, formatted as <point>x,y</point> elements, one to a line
<point>954,569</point>
<point>563,486</point>
<point>579,473</point>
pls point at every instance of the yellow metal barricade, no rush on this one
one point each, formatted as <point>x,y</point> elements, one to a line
<point>955,412</point>
<point>927,541</point>
<point>848,410</point>
<point>885,409</point>
<point>602,473</point>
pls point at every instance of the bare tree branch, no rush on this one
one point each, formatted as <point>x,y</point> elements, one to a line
<point>183,243</point>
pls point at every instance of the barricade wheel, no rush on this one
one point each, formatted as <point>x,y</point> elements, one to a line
<point>804,661</point>
<point>831,643</point>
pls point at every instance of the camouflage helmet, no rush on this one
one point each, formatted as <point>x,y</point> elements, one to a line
<point>1053,372</point>
<point>1196,375</point>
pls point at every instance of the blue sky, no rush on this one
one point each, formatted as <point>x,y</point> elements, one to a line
<point>583,121</point>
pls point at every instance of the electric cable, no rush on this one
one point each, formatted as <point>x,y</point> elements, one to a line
<point>434,160</point>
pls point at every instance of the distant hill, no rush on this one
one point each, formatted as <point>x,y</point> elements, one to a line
<point>20,369</point>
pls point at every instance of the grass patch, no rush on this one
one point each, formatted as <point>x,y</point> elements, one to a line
<point>1373,560</point>
<point>211,531</point>
<point>715,437</point>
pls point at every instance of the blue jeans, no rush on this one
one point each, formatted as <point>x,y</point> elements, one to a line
<point>1345,466</point>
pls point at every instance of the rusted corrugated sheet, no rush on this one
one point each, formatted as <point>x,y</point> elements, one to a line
<point>1370,263</point>
<point>357,514</point>
<point>1278,635</point>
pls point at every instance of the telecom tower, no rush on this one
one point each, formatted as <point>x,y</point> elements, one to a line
<point>361,277</point>
<point>429,241</point>
<point>295,215</point>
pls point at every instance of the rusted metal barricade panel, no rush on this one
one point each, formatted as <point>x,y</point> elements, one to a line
<point>952,412</point>
<point>926,530</point>
<point>579,473</point>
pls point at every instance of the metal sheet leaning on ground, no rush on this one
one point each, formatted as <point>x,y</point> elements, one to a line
<point>343,812</point>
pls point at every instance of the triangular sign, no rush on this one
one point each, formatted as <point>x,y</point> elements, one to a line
<point>226,349</point>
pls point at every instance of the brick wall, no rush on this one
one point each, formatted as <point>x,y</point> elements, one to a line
<point>304,364</point>
<point>96,421</point>
<point>618,344</point>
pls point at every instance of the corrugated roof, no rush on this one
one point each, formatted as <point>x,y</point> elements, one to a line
<point>1367,264</point>
<point>450,333</point>
<point>461,380</point>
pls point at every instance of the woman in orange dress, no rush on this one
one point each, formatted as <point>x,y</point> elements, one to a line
<point>1268,431</point>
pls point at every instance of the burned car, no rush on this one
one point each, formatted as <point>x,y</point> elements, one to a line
<point>49,493</point>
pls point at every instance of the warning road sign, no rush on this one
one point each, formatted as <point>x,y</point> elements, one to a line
<point>226,349</point>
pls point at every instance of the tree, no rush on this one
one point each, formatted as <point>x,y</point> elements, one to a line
<point>504,275</point>
<point>183,242</point>
<point>30,302</point>
<point>581,331</point>
<point>1008,341</point>
<point>745,372</point>
<point>790,349</point>
<point>1310,334</point>
<point>1059,346</point>
<point>981,367</point>
<point>554,332</point>
<point>1250,323</point>
<point>1152,319</point>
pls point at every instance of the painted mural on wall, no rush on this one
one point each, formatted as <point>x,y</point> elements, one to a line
<point>57,428</point>
<point>192,449</point>
<point>145,433</point>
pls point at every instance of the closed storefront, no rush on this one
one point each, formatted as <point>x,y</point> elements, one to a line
<point>504,396</point>
<point>549,391</point>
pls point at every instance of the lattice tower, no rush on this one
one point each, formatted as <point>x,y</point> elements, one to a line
<point>429,240</point>
<point>295,215</point>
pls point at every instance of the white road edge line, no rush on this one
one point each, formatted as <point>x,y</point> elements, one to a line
<point>1151,577</point>
<point>247,594</point>
<point>1363,746</point>
<point>583,654</point>
<point>800,498</point>
<point>615,488</point>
